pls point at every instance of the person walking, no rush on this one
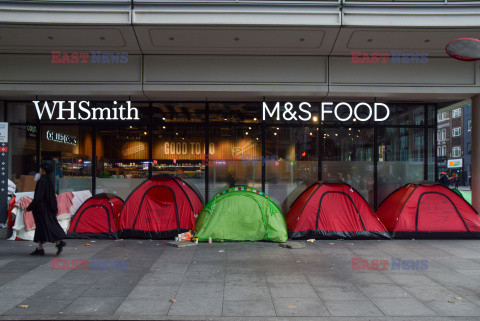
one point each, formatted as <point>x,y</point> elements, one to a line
<point>44,209</point>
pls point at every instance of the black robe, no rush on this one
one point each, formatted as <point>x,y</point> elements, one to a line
<point>44,208</point>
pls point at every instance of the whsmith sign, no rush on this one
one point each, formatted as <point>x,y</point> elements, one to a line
<point>342,111</point>
<point>81,110</point>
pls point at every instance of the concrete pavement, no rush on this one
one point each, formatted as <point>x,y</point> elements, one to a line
<point>244,281</point>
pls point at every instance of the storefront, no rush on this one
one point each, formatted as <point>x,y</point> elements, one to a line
<point>219,144</point>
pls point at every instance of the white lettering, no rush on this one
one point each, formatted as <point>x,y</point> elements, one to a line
<point>83,109</point>
<point>349,108</point>
<point>45,105</point>
<point>326,111</point>
<point>376,111</point>
<point>275,109</point>
<point>101,110</point>
<point>369,109</point>
<point>132,109</point>
<point>61,109</point>
<point>305,111</point>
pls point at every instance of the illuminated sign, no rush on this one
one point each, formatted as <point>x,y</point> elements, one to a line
<point>61,138</point>
<point>455,163</point>
<point>342,111</point>
<point>81,110</point>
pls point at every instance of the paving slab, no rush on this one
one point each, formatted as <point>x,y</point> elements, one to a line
<point>292,290</point>
<point>39,306</point>
<point>93,306</point>
<point>248,308</point>
<point>244,282</point>
<point>143,306</point>
<point>402,307</point>
<point>247,292</point>
<point>352,308</point>
<point>339,293</point>
<point>300,307</point>
<point>293,245</point>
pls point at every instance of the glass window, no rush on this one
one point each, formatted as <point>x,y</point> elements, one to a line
<point>235,157</point>
<point>348,156</point>
<point>22,159</point>
<point>400,159</point>
<point>236,112</point>
<point>291,159</point>
<point>69,148</point>
<point>456,113</point>
<point>179,150</point>
<point>431,155</point>
<point>405,114</point>
<point>122,159</point>
<point>469,149</point>
<point>21,112</point>
<point>432,112</point>
<point>442,116</point>
<point>469,125</point>
<point>178,112</point>
<point>456,151</point>
<point>2,111</point>
<point>457,132</point>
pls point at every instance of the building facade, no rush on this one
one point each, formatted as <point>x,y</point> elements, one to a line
<point>454,141</point>
<point>199,73</point>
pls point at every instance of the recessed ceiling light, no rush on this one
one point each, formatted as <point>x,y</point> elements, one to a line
<point>369,40</point>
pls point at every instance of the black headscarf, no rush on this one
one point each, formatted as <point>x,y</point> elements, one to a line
<point>47,167</point>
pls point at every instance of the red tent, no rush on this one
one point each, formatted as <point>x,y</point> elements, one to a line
<point>333,210</point>
<point>96,218</point>
<point>160,207</point>
<point>428,210</point>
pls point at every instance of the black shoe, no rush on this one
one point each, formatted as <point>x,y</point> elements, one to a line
<point>38,252</point>
<point>60,246</point>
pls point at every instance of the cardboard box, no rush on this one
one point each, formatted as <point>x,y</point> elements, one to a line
<point>27,183</point>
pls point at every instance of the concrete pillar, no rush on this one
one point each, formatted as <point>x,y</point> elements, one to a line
<point>476,152</point>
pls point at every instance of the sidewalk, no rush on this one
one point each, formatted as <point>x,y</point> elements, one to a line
<point>244,281</point>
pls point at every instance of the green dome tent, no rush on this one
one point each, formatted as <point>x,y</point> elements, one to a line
<point>241,214</point>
